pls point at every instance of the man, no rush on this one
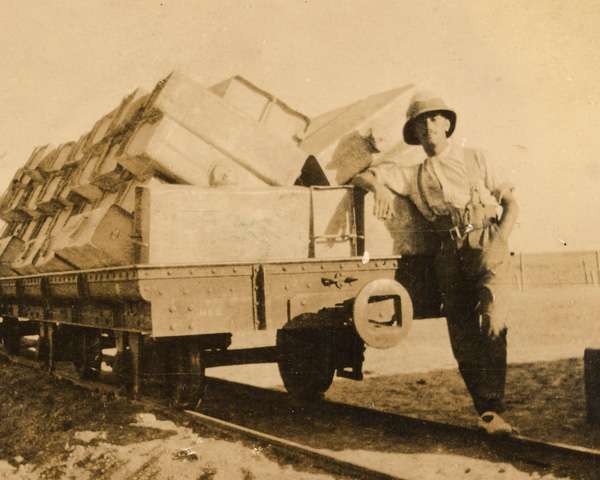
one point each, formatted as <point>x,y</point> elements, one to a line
<point>460,193</point>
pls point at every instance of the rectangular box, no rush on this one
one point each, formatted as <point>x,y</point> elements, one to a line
<point>173,151</point>
<point>275,160</point>
<point>185,225</point>
<point>23,264</point>
<point>37,156</point>
<point>129,108</point>
<point>77,152</point>
<point>101,127</point>
<point>10,249</point>
<point>342,140</point>
<point>263,107</point>
<point>333,229</point>
<point>97,238</point>
<point>57,158</point>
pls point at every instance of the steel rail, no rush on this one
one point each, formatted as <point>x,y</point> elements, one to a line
<point>321,460</point>
<point>567,458</point>
<point>287,449</point>
<point>557,456</point>
<point>515,446</point>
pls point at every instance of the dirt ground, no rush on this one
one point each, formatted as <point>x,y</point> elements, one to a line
<point>549,330</point>
<point>52,430</point>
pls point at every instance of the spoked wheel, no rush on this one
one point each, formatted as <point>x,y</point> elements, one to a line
<point>187,378</point>
<point>305,359</point>
<point>87,353</point>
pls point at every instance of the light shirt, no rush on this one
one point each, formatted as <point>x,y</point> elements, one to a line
<point>449,175</point>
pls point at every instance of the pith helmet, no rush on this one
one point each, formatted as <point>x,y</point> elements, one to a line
<point>424,102</point>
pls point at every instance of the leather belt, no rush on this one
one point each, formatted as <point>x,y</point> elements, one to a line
<point>457,233</point>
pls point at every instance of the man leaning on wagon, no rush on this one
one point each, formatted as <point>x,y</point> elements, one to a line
<point>460,192</point>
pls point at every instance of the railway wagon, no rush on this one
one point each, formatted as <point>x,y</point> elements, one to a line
<point>189,218</point>
<point>170,322</point>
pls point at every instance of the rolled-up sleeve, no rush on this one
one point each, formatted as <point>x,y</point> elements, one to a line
<point>397,178</point>
<point>496,179</point>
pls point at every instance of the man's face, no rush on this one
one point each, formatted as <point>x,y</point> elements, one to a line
<point>431,129</point>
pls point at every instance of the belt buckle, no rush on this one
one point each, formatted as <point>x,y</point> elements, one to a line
<point>455,234</point>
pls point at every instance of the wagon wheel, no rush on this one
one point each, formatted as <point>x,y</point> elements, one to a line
<point>187,379</point>
<point>305,359</point>
<point>87,353</point>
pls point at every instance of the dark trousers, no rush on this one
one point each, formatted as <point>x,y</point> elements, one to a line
<point>471,281</point>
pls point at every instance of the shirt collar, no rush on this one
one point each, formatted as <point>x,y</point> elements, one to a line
<point>449,152</point>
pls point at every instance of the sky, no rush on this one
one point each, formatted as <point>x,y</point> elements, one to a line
<point>522,77</point>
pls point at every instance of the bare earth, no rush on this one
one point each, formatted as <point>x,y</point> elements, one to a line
<point>49,429</point>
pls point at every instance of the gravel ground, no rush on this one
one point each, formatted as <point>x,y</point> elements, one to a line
<point>50,429</point>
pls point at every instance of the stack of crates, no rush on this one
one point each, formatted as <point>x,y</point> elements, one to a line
<point>71,207</point>
<point>240,152</point>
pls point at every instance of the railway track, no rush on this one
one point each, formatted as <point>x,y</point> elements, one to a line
<point>394,433</point>
<point>318,433</point>
<point>292,453</point>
